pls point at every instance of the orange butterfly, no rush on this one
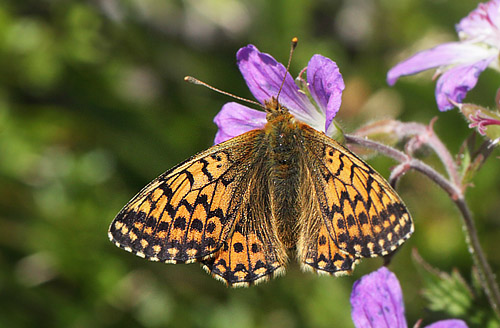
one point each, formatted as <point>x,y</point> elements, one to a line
<point>242,206</point>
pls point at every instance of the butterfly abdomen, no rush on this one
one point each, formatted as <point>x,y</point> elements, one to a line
<point>284,147</point>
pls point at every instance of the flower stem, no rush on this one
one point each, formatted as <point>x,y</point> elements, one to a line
<point>419,135</point>
<point>486,275</point>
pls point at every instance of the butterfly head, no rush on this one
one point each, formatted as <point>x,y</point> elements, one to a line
<point>274,109</point>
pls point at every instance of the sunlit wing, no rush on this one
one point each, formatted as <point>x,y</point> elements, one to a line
<point>317,251</point>
<point>359,210</point>
<point>187,213</point>
<point>254,251</point>
<point>211,208</point>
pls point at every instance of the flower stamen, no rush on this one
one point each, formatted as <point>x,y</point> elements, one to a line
<point>481,122</point>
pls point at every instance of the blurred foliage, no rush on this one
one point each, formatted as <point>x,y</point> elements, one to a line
<point>93,106</point>
<point>452,296</point>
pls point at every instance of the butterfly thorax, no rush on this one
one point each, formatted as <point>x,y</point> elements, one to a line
<point>283,140</point>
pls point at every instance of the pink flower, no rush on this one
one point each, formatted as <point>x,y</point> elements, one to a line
<point>460,62</point>
<point>263,75</point>
<point>377,301</point>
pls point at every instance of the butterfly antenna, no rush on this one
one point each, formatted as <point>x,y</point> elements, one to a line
<point>295,40</point>
<point>193,80</point>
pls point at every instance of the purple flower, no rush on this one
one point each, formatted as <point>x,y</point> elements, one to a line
<point>264,75</point>
<point>462,62</point>
<point>377,301</point>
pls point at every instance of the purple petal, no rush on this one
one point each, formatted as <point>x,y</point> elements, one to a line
<point>264,75</point>
<point>326,85</point>
<point>442,55</point>
<point>377,301</point>
<point>235,119</point>
<point>482,24</point>
<point>455,83</point>
<point>452,323</point>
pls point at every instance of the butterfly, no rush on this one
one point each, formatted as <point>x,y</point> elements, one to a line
<point>244,206</point>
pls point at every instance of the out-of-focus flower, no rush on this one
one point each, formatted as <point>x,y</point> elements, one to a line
<point>264,75</point>
<point>377,301</point>
<point>459,63</point>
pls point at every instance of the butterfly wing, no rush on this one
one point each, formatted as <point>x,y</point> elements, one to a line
<point>247,258</point>
<point>254,251</point>
<point>359,213</point>
<point>205,207</point>
<point>317,251</point>
<point>186,213</point>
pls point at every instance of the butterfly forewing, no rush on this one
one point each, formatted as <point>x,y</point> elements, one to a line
<point>186,213</point>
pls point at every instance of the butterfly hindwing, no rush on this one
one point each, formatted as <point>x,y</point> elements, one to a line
<point>246,258</point>
<point>253,251</point>
<point>362,213</point>
<point>316,250</point>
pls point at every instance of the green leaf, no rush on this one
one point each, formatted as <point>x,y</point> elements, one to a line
<point>450,293</point>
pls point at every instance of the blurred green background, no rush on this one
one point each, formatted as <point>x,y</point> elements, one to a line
<point>93,106</point>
